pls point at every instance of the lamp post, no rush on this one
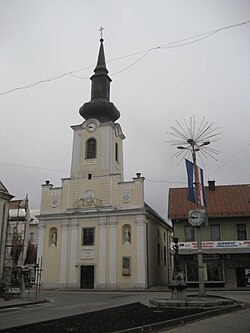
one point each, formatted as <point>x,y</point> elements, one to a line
<point>194,148</point>
<point>192,137</point>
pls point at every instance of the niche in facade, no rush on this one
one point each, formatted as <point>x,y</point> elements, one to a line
<point>126,234</point>
<point>53,237</point>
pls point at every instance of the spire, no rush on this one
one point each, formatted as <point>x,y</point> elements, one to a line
<point>100,106</point>
<point>101,63</point>
<point>100,80</point>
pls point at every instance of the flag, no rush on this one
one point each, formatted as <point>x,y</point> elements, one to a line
<point>190,174</point>
<point>201,200</point>
<point>198,178</point>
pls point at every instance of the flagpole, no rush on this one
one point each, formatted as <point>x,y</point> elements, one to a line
<point>198,228</point>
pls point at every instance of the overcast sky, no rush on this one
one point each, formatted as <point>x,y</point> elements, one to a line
<point>40,39</point>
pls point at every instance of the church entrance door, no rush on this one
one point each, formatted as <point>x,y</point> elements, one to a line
<point>87,277</point>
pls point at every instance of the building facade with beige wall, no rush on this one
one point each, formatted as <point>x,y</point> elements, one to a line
<point>95,230</point>
<point>225,238</point>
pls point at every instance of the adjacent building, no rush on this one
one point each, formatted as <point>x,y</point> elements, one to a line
<point>225,240</point>
<point>95,230</point>
<point>5,198</point>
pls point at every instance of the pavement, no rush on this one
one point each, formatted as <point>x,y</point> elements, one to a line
<point>241,300</point>
<point>19,302</point>
<point>206,301</point>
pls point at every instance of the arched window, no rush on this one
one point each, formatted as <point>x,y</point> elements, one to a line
<point>90,148</point>
<point>116,152</point>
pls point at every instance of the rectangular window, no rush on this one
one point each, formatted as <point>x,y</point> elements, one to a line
<point>192,271</point>
<point>158,254</point>
<point>90,176</point>
<point>165,256</point>
<point>88,236</point>
<point>213,271</point>
<point>189,233</point>
<point>116,152</point>
<point>241,231</point>
<point>126,265</point>
<point>215,232</point>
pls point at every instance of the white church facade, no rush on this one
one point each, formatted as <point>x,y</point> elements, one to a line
<point>96,231</point>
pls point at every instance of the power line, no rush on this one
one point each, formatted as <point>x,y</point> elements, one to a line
<point>32,167</point>
<point>149,180</point>
<point>187,41</point>
<point>122,70</point>
<point>164,181</point>
<point>230,159</point>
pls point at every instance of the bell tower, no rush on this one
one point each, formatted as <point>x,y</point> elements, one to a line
<point>100,106</point>
<point>97,157</point>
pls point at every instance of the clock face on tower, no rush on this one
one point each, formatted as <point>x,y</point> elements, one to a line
<point>91,127</point>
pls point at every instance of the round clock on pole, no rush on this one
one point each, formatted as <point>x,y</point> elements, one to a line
<point>196,217</point>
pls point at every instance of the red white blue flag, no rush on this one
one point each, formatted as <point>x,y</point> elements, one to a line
<point>190,174</point>
<point>195,176</point>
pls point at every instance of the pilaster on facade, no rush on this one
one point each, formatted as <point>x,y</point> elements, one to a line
<point>73,254</point>
<point>141,252</point>
<point>102,253</point>
<point>41,233</point>
<point>112,251</point>
<point>63,260</point>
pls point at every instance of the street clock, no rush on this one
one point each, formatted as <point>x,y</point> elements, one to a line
<point>196,217</point>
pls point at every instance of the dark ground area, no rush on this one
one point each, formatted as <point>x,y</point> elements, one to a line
<point>110,320</point>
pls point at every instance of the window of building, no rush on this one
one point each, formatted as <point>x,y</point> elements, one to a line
<point>90,148</point>
<point>126,265</point>
<point>32,236</point>
<point>116,152</point>
<point>158,233</point>
<point>88,236</point>
<point>215,232</point>
<point>189,233</point>
<point>165,256</point>
<point>164,235</point>
<point>213,271</point>
<point>158,254</point>
<point>90,176</point>
<point>192,271</point>
<point>241,231</point>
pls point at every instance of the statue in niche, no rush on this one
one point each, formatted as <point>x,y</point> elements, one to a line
<point>53,237</point>
<point>127,235</point>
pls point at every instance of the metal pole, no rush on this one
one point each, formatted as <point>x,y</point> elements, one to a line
<point>200,264</point>
<point>198,229</point>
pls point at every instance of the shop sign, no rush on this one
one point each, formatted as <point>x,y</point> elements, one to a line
<point>216,245</point>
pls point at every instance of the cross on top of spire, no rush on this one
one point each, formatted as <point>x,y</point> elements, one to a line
<point>101,30</point>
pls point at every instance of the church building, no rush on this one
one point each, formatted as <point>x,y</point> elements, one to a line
<point>96,231</point>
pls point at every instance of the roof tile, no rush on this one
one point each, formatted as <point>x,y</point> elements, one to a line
<point>226,200</point>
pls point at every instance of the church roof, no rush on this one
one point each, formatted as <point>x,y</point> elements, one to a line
<point>99,106</point>
<point>155,214</point>
<point>222,201</point>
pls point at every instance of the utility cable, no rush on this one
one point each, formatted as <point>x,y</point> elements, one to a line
<point>32,167</point>
<point>230,159</point>
<point>161,47</point>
